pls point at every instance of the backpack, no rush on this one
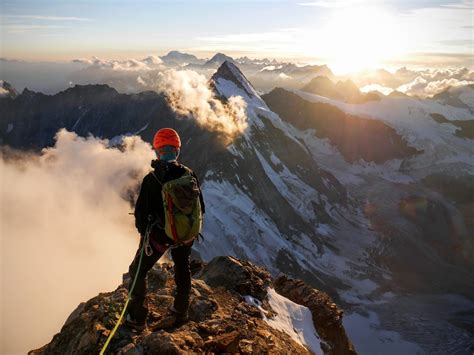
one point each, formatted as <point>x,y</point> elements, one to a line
<point>182,206</point>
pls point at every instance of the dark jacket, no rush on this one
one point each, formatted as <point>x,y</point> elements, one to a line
<point>150,201</point>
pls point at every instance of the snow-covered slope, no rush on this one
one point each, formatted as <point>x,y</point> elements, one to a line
<point>289,200</point>
<point>412,118</point>
<point>271,202</point>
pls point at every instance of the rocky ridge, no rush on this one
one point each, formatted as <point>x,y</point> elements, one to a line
<point>221,320</point>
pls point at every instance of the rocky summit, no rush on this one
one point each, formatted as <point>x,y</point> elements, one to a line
<point>232,310</point>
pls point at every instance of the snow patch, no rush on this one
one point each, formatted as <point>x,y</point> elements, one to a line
<point>293,319</point>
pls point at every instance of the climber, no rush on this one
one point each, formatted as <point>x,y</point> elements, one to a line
<point>150,210</point>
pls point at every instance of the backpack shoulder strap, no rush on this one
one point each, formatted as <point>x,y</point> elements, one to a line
<point>187,170</point>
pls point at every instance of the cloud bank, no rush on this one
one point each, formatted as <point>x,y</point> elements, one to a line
<point>66,233</point>
<point>188,91</point>
<point>189,94</point>
<point>422,83</point>
<point>430,82</point>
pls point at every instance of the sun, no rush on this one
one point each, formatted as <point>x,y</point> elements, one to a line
<point>359,38</point>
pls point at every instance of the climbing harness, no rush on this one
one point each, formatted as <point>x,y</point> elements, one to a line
<point>146,248</point>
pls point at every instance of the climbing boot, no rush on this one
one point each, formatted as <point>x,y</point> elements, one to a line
<point>134,324</point>
<point>171,319</point>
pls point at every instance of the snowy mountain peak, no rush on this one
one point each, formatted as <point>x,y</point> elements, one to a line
<point>218,59</point>
<point>179,57</point>
<point>231,73</point>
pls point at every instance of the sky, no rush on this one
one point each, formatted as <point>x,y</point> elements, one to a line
<point>337,31</point>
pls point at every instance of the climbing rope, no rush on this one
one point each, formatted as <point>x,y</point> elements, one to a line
<point>148,251</point>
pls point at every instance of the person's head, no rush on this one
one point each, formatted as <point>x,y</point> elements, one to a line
<point>167,144</point>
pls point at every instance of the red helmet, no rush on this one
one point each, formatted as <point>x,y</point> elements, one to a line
<point>166,136</point>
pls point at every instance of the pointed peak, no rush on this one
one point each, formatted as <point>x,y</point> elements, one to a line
<point>230,72</point>
<point>218,59</point>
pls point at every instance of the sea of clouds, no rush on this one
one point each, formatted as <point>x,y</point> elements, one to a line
<point>422,83</point>
<point>66,231</point>
<point>135,75</point>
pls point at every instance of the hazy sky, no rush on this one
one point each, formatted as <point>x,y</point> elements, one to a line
<point>378,31</point>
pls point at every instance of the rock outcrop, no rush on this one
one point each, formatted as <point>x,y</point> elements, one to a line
<point>327,317</point>
<point>220,318</point>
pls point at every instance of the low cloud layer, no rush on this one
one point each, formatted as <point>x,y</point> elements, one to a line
<point>189,94</point>
<point>423,87</point>
<point>66,231</point>
<point>149,63</point>
<point>422,83</point>
<point>188,91</point>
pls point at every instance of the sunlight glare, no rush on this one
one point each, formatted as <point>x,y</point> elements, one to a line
<point>360,38</point>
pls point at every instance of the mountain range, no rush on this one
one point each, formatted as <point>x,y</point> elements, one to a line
<point>369,200</point>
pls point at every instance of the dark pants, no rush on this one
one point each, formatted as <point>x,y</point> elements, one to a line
<point>138,308</point>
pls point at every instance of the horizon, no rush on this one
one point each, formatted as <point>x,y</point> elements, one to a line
<point>348,36</point>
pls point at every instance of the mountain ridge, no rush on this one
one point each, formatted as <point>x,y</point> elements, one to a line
<point>230,311</point>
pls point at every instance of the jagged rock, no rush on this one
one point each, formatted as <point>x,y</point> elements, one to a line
<point>240,276</point>
<point>220,321</point>
<point>327,317</point>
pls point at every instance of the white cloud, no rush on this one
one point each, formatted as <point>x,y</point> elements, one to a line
<point>377,87</point>
<point>188,91</point>
<point>423,83</point>
<point>189,94</point>
<point>330,4</point>
<point>422,87</point>
<point>66,233</point>
<point>153,60</point>
<point>16,29</point>
<point>148,63</point>
<point>283,41</point>
<point>257,37</point>
<point>49,18</point>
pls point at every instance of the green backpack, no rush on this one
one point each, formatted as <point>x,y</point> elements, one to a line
<point>183,214</point>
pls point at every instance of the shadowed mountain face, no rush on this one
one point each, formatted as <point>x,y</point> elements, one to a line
<point>345,91</point>
<point>355,137</point>
<point>32,119</point>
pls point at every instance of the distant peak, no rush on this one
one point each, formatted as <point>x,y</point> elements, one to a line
<point>179,57</point>
<point>229,71</point>
<point>219,58</point>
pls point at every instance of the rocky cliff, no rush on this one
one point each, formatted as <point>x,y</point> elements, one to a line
<point>234,309</point>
